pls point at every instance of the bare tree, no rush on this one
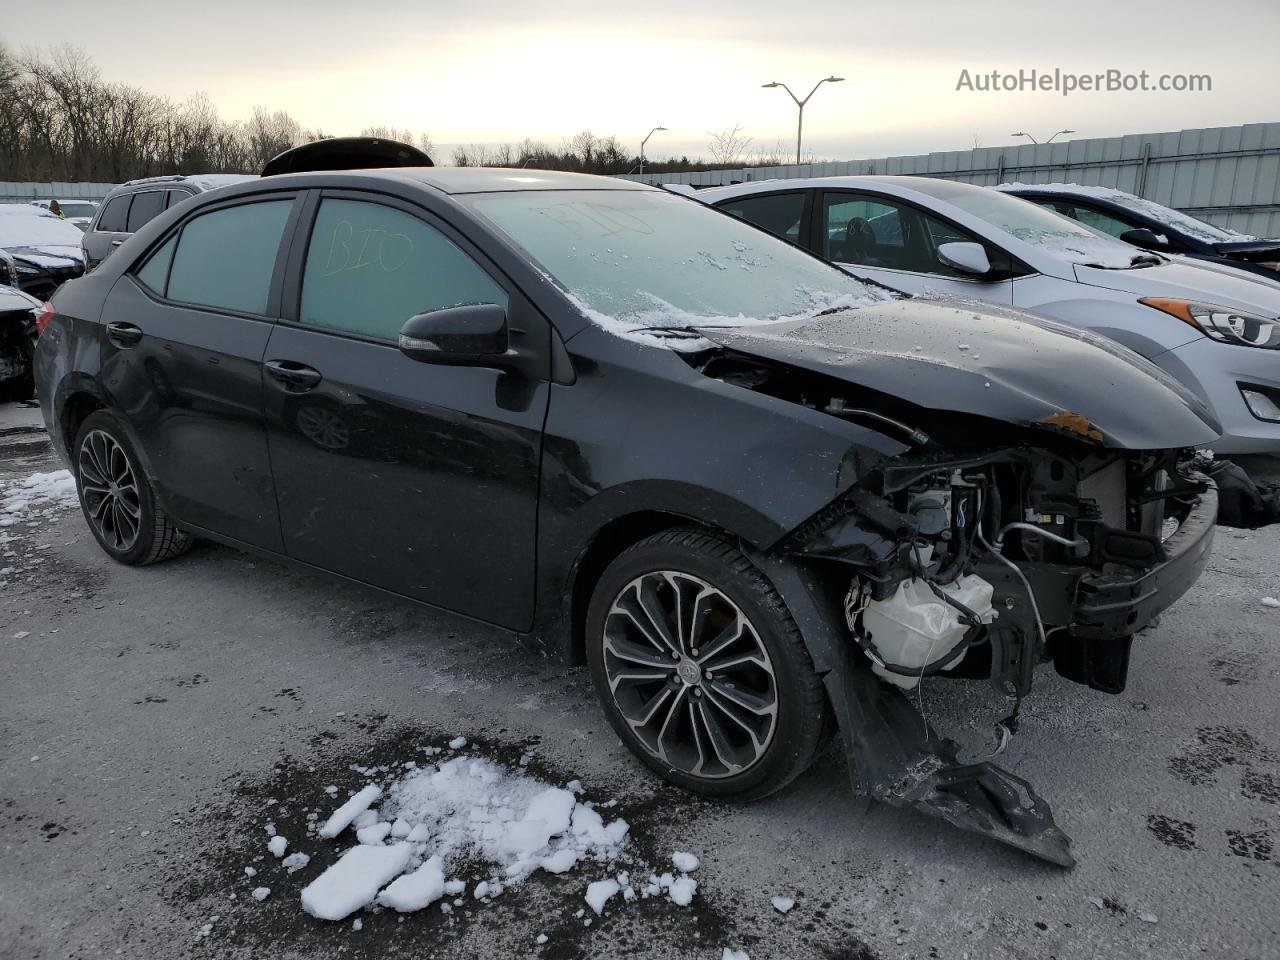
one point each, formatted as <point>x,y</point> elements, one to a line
<point>728,146</point>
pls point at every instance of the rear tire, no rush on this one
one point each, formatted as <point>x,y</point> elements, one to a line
<point>117,498</point>
<point>739,717</point>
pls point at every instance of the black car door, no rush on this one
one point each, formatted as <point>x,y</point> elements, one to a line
<point>415,477</point>
<point>184,335</point>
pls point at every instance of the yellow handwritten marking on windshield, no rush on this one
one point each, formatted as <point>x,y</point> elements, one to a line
<point>352,248</point>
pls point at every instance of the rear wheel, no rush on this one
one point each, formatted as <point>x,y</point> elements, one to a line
<point>700,668</point>
<point>117,498</point>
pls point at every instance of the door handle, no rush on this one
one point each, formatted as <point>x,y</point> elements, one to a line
<point>123,334</point>
<point>116,243</point>
<point>296,375</point>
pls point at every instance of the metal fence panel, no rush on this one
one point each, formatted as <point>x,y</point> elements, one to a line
<point>15,191</point>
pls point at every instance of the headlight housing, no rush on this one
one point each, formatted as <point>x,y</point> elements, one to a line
<point>1224,324</point>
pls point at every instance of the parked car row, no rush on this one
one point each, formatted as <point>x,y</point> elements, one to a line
<point>758,497</point>
<point>1214,329</point>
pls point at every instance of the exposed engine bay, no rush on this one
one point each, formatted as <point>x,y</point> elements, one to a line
<point>986,549</point>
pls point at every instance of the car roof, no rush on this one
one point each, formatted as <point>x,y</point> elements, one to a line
<point>502,179</point>
<point>898,185</point>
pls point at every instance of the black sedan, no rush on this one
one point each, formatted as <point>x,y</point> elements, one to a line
<point>758,498</point>
<point>1153,226</point>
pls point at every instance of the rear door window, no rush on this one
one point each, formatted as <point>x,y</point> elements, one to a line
<point>114,214</point>
<point>145,207</point>
<point>226,258</point>
<point>779,213</point>
<point>176,197</point>
<point>371,267</point>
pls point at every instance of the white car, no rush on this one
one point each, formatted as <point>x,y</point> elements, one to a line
<point>77,212</point>
<point>41,251</point>
<point>1217,331</point>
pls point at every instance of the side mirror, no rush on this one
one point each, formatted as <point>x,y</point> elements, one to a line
<point>472,336</point>
<point>1144,238</point>
<point>965,256</point>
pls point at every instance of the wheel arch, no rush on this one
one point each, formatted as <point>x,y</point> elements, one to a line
<point>603,548</point>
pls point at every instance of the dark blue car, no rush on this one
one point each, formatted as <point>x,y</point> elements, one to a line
<point>1152,226</point>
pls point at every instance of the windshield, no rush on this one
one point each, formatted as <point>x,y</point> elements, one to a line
<point>1035,225</point>
<point>1180,221</point>
<point>640,259</point>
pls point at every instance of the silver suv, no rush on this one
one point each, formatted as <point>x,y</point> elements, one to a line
<point>132,204</point>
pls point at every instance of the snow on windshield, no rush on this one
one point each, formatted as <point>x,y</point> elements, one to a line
<point>24,226</point>
<point>639,261</point>
<point>1156,211</point>
<point>1055,234</point>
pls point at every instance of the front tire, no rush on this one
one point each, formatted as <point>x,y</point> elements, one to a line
<point>700,668</point>
<point>117,498</point>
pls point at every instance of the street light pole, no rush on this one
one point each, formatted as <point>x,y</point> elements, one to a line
<point>644,141</point>
<point>800,104</point>
<point>1035,141</point>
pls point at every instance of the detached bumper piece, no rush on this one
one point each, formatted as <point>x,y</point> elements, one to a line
<point>1110,608</point>
<point>895,757</point>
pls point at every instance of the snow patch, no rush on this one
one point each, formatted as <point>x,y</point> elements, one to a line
<point>37,497</point>
<point>782,904</point>
<point>415,890</point>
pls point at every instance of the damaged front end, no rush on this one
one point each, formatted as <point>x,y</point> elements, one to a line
<point>985,549</point>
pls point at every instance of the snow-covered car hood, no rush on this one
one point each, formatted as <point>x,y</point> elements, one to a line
<point>1187,280</point>
<point>48,254</point>
<point>997,363</point>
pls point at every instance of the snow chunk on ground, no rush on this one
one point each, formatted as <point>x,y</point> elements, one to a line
<point>261,893</point>
<point>36,497</point>
<point>295,862</point>
<point>457,743</point>
<point>1270,602</point>
<point>598,894</point>
<point>731,954</point>
<point>343,816</point>
<point>374,833</point>
<point>561,861</point>
<point>513,820</point>
<point>416,890</point>
<point>401,828</point>
<point>277,845</point>
<point>681,891</point>
<point>782,904</point>
<point>353,881</point>
<point>684,862</point>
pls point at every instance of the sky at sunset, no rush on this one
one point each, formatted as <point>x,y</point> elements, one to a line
<point>490,71</point>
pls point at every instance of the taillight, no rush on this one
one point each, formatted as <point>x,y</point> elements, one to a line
<point>43,317</point>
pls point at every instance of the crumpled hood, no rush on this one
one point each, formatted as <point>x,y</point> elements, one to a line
<point>48,254</point>
<point>993,362</point>
<point>1190,281</point>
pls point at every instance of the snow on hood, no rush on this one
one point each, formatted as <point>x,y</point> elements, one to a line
<point>33,227</point>
<point>669,326</point>
<point>1156,211</point>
